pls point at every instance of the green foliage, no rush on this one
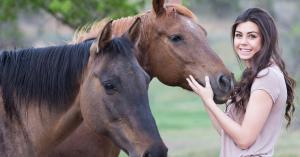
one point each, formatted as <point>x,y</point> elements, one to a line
<point>63,7</point>
<point>11,35</point>
<point>74,13</point>
<point>220,8</point>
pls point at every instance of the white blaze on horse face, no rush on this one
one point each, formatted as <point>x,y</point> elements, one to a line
<point>194,27</point>
<point>191,24</point>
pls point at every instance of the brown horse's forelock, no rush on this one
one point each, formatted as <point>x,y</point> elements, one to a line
<point>46,76</point>
<point>182,10</point>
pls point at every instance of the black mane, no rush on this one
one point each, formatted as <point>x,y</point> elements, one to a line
<point>47,76</point>
<point>120,45</point>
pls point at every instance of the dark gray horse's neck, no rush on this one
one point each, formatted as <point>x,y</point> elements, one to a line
<point>14,141</point>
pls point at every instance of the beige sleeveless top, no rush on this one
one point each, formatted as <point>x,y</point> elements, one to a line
<point>272,81</point>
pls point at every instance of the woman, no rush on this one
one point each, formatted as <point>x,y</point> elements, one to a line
<point>252,122</point>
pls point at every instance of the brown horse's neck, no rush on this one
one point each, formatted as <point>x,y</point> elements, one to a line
<point>122,25</point>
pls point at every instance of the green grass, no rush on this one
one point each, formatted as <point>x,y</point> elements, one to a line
<point>186,128</point>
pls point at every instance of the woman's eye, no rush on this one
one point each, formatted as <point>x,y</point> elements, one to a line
<point>238,35</point>
<point>176,38</point>
<point>251,36</point>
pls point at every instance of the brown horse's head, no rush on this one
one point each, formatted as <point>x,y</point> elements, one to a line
<point>176,46</point>
<point>172,46</point>
<point>114,98</point>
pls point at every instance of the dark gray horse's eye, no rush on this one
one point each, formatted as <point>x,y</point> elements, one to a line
<point>176,38</point>
<point>109,86</point>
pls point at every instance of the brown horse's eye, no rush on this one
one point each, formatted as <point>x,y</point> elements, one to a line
<point>176,38</point>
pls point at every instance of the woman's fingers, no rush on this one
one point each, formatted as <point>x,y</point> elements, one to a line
<point>207,83</point>
<point>206,92</point>
<point>195,82</point>
<point>191,84</point>
<point>196,87</point>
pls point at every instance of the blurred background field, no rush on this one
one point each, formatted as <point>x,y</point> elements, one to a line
<point>182,122</point>
<point>187,131</point>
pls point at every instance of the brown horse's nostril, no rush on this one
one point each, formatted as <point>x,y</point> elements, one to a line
<point>225,83</point>
<point>159,150</point>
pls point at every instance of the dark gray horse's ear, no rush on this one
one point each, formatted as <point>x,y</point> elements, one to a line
<point>158,7</point>
<point>105,36</point>
<point>134,31</point>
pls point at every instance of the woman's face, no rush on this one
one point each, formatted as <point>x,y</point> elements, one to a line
<point>247,41</point>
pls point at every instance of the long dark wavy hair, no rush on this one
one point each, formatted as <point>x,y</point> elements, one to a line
<point>269,51</point>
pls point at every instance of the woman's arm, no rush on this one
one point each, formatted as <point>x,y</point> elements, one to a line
<point>257,111</point>
<point>195,87</point>
<point>213,120</point>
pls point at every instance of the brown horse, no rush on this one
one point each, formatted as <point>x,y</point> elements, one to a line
<point>172,46</point>
<point>48,92</point>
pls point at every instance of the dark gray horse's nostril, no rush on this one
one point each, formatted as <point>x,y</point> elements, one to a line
<point>147,154</point>
<point>156,150</point>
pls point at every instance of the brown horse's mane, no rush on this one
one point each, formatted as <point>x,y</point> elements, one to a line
<point>90,31</point>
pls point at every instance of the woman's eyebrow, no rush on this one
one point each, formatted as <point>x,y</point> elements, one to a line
<point>253,32</point>
<point>248,32</point>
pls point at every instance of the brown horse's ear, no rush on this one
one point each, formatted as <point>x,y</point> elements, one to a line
<point>134,31</point>
<point>174,12</point>
<point>105,36</point>
<point>158,7</point>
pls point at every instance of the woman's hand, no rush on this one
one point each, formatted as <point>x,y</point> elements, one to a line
<point>206,93</point>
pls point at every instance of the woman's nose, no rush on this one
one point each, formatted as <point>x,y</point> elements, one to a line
<point>244,40</point>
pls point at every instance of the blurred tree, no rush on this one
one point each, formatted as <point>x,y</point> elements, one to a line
<point>11,35</point>
<point>72,12</point>
<point>175,1</point>
<point>220,8</point>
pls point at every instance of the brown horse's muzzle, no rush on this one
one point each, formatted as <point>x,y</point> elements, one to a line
<point>223,86</point>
